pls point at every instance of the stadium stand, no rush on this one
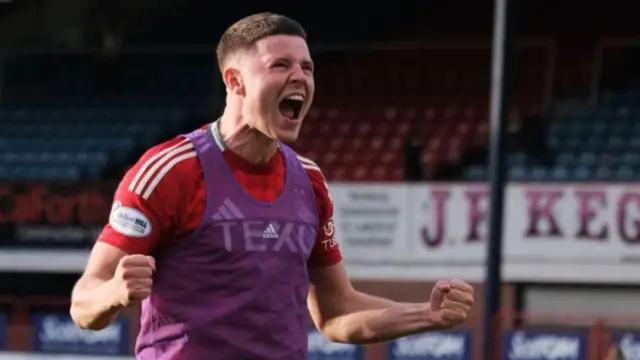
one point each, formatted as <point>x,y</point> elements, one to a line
<point>439,93</point>
<point>394,81</point>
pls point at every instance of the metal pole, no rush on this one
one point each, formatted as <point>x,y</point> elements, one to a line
<point>500,79</point>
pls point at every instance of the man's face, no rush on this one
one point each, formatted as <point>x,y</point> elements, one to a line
<point>278,86</point>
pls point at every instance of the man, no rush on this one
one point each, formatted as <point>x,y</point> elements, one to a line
<point>241,229</point>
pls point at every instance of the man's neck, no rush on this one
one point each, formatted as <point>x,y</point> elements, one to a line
<point>246,142</point>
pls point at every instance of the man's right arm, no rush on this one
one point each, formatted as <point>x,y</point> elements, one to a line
<point>119,272</point>
<point>95,298</point>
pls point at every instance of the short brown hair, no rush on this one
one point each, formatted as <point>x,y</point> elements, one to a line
<point>244,33</point>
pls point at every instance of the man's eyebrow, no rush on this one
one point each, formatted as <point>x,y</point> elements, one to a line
<point>287,60</point>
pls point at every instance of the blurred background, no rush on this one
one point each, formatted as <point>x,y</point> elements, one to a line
<point>400,127</point>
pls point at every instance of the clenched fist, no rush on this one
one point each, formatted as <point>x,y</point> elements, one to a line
<point>132,279</point>
<point>450,303</point>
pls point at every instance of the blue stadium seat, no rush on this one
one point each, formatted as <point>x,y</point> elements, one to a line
<point>538,174</point>
<point>517,173</point>
<point>560,173</point>
<point>626,173</point>
<point>583,173</point>
<point>475,173</point>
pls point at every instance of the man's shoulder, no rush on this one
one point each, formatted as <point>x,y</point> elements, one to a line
<point>169,145</point>
<point>169,162</point>
<point>315,173</point>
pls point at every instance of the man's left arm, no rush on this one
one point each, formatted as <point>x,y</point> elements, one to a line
<point>345,315</point>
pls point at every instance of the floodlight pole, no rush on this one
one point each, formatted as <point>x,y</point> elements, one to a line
<point>502,55</point>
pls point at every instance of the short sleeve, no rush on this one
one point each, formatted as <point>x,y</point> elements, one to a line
<point>326,251</point>
<point>147,200</point>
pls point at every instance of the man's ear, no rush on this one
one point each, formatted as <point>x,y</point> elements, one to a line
<point>233,81</point>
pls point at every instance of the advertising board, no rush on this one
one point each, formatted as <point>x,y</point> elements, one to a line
<point>56,333</point>
<point>385,231</point>
<point>629,342</point>
<point>321,348</point>
<point>428,232</point>
<point>441,345</point>
<point>50,226</point>
<point>544,345</point>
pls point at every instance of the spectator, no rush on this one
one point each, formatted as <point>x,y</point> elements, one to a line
<point>528,133</point>
<point>412,159</point>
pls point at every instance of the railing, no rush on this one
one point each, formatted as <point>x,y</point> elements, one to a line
<point>472,61</point>
<point>37,20</point>
<point>600,56</point>
<point>403,52</point>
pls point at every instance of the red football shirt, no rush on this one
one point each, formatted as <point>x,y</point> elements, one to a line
<point>166,188</point>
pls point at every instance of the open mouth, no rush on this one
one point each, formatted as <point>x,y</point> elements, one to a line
<point>291,106</point>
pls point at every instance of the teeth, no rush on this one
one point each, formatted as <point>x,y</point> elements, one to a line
<point>296,97</point>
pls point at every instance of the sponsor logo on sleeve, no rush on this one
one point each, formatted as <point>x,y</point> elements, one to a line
<point>129,221</point>
<point>329,229</point>
<point>329,238</point>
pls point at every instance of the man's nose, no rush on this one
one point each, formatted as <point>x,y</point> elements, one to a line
<point>297,74</point>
